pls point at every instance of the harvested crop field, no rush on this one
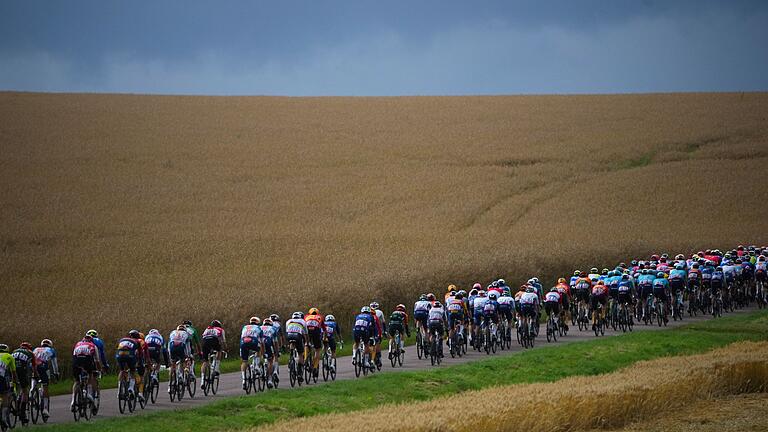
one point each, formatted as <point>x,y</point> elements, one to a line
<point>123,211</point>
<point>642,391</point>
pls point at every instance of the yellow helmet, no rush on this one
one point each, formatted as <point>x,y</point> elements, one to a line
<point>561,280</point>
<point>451,287</point>
<point>314,311</point>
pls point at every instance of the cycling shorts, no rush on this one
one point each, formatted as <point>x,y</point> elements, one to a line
<point>4,387</point>
<point>246,348</point>
<point>505,310</point>
<point>332,343</point>
<point>528,310</point>
<point>269,349</point>
<point>179,352</point>
<point>613,293</point>
<point>455,317</point>
<point>552,307</point>
<point>23,378</point>
<point>396,328</point>
<point>436,326</point>
<point>581,295</point>
<point>487,319</point>
<point>624,297</point>
<point>660,294</point>
<point>42,373</point>
<point>601,299</point>
<point>155,353</point>
<point>298,341</point>
<point>83,362</point>
<point>478,317</point>
<point>315,336</point>
<point>209,345</point>
<point>421,316</point>
<point>126,363</point>
<point>645,291</point>
<point>361,335</point>
<point>675,285</point>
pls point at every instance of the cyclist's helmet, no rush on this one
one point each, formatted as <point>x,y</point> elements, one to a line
<point>462,292</point>
<point>438,304</point>
<point>431,297</point>
<point>561,280</point>
<point>502,282</point>
<point>274,317</point>
<point>254,320</point>
<point>46,343</point>
<point>494,284</point>
<point>267,322</point>
<point>604,272</point>
<point>330,318</point>
<point>401,307</point>
<point>535,279</point>
<point>133,333</point>
<point>654,257</point>
<point>492,296</point>
<point>529,289</point>
<point>625,276</point>
<point>451,287</point>
<point>154,332</point>
<point>594,279</point>
<point>423,297</point>
<point>453,293</point>
<point>26,346</point>
<point>187,323</point>
<point>679,257</point>
<point>679,267</point>
<point>481,293</point>
<point>582,274</point>
<point>473,292</point>
<point>761,258</point>
<point>92,333</point>
<point>623,265</point>
<point>577,272</point>
<point>477,286</point>
<point>296,315</point>
<point>553,289</point>
<point>506,291</point>
<point>215,323</point>
<point>314,311</point>
<point>660,274</point>
<point>365,309</point>
<point>374,305</point>
<point>695,265</point>
<point>593,270</point>
<point>181,327</point>
<point>3,348</point>
<point>664,256</point>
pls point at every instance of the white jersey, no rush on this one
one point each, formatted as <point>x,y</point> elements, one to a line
<point>480,304</point>
<point>422,306</point>
<point>380,315</point>
<point>252,331</point>
<point>178,337</point>
<point>506,300</point>
<point>529,299</point>
<point>436,314</point>
<point>296,326</point>
<point>552,296</point>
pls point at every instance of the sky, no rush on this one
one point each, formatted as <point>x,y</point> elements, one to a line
<point>382,48</point>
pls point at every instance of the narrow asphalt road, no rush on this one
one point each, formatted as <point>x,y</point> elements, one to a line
<point>230,383</point>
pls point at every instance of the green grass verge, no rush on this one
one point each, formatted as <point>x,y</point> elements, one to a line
<point>539,365</point>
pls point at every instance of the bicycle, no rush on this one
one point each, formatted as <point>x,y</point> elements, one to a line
<point>661,313</point>
<point>599,326</point>
<point>83,405</point>
<point>152,385</point>
<point>489,336</point>
<point>125,396</point>
<point>435,348</point>
<point>395,352</point>
<point>254,376</point>
<point>293,365</point>
<point>177,382</point>
<point>210,377</point>
<point>760,296</point>
<point>677,306</point>
<point>34,402</point>
<point>420,348</point>
<point>693,301</point>
<point>329,363</point>
<point>552,328</point>
<point>309,370</point>
<point>582,316</point>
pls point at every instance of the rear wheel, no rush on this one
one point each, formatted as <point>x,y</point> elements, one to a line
<point>122,397</point>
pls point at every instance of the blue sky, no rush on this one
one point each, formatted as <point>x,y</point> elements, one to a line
<point>361,47</point>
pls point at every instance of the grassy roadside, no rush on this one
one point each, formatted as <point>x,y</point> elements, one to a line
<point>540,365</point>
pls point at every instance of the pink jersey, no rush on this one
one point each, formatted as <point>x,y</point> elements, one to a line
<point>84,348</point>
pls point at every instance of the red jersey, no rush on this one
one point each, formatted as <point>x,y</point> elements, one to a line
<point>85,349</point>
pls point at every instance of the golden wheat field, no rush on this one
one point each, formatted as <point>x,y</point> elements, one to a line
<point>642,391</point>
<point>123,211</point>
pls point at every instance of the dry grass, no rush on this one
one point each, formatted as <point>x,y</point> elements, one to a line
<point>641,391</point>
<point>124,211</point>
<point>740,413</point>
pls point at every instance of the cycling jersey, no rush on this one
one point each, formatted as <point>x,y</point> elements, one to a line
<point>214,333</point>
<point>44,354</point>
<point>398,318</point>
<point>179,338</point>
<point>552,296</point>
<point>85,349</point>
<point>421,305</point>
<point>7,368</point>
<point>436,314</point>
<point>128,347</point>
<point>480,304</point>
<point>154,340</point>
<point>295,326</point>
<point>506,301</point>
<point>268,335</point>
<point>529,299</point>
<point>250,332</point>
<point>314,322</point>
<point>456,307</point>
<point>599,290</point>
<point>100,349</point>
<point>380,321</point>
<point>364,322</point>
<point>561,287</point>
<point>25,361</point>
<point>331,328</point>
<point>582,284</point>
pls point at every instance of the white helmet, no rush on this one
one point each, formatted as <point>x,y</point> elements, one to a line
<point>330,318</point>
<point>296,315</point>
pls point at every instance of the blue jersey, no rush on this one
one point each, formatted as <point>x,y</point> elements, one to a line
<point>364,322</point>
<point>100,348</point>
<point>155,340</point>
<point>331,328</point>
<point>613,282</point>
<point>678,275</point>
<point>268,334</point>
<point>660,283</point>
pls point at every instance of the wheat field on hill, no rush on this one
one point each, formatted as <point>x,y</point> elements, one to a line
<point>122,211</point>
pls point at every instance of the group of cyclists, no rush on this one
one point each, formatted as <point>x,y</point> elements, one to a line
<point>709,280</point>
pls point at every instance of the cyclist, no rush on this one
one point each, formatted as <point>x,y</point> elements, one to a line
<point>129,351</point>
<point>381,324</point>
<point>678,279</point>
<point>398,323</point>
<point>85,357</point>
<point>574,278</point>
<point>213,339</point>
<point>420,313</point>
<point>47,362</point>
<point>717,283</point>
<point>593,274</point>
<point>100,348</point>
<point>26,369</point>
<point>450,292</point>
<point>552,303</point>
<point>529,305</point>
<point>296,334</point>
<point>599,297</point>
<point>491,310</point>
<point>661,291</point>
<point>180,349</point>
<point>565,301</point>
<point>436,324</point>
<point>626,291</point>
<point>194,342</point>
<point>477,315</point>
<point>155,349</point>
<point>315,335</point>
<point>363,332</point>
<point>332,329</point>
<point>456,313</point>
<point>581,291</point>
<point>506,306</point>
<point>250,341</point>
<point>7,381</point>
<point>269,338</point>
<point>279,339</point>
<point>645,286</point>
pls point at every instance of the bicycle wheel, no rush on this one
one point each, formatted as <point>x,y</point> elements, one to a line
<point>433,353</point>
<point>248,379</point>
<point>549,330</point>
<point>207,380</point>
<point>333,369</point>
<point>191,386</point>
<point>419,344</point>
<point>131,402</point>
<point>358,363</point>
<point>155,390</point>
<point>554,331</point>
<point>292,372</point>
<point>215,384</point>
<point>172,386</point>
<point>34,405</point>
<point>87,407</point>
<point>182,385</point>
<point>122,396</point>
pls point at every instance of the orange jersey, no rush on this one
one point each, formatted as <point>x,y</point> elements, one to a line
<point>564,286</point>
<point>314,321</point>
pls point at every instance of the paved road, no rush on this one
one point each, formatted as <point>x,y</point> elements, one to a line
<point>230,383</point>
